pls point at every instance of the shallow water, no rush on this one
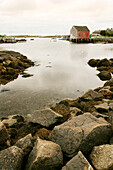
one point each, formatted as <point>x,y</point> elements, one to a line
<point>61,72</point>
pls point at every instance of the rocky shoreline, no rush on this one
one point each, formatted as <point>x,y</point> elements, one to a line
<point>73,134</point>
<point>11,65</point>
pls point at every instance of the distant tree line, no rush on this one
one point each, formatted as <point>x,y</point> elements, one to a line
<point>2,35</point>
<point>108,33</point>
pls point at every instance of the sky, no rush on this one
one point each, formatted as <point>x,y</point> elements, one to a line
<point>53,17</point>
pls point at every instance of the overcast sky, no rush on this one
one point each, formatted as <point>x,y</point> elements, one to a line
<point>43,17</point>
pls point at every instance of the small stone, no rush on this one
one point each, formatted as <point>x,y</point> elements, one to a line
<point>104,107</point>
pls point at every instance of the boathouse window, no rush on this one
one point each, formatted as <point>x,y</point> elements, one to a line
<point>79,34</point>
<point>87,34</point>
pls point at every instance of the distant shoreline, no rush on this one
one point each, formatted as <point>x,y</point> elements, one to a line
<point>38,36</point>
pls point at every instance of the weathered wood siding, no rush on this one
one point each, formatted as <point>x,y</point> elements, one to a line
<point>73,33</point>
<point>83,34</point>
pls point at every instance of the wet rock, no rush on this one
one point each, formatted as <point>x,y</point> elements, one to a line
<point>23,129</point>
<point>25,144</point>
<point>102,108</point>
<point>103,62</point>
<point>11,65</point>
<point>11,158</point>
<point>91,95</point>
<point>102,68</point>
<point>46,117</point>
<point>93,62</point>
<point>109,83</point>
<point>4,137</point>
<point>74,111</point>
<point>69,138</point>
<point>111,105</point>
<point>97,115</point>
<point>45,155</point>
<point>12,120</point>
<point>42,133</point>
<point>25,75</point>
<point>62,109</point>
<point>104,75</point>
<point>102,157</point>
<point>78,162</point>
<point>105,91</point>
<point>80,133</point>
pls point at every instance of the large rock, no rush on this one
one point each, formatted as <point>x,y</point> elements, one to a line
<point>102,157</point>
<point>104,75</point>
<point>25,144</point>
<point>11,158</point>
<point>105,91</point>
<point>69,138</point>
<point>45,155</point>
<point>103,62</point>
<point>91,95</point>
<point>4,137</point>
<point>93,62</point>
<point>78,162</point>
<point>109,83</point>
<point>82,132</point>
<point>46,117</point>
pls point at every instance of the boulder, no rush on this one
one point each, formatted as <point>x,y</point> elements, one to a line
<point>78,162</point>
<point>109,83</point>
<point>11,158</point>
<point>25,144</point>
<point>91,95</point>
<point>93,62</point>
<point>46,117</point>
<point>4,137</point>
<point>104,75</point>
<point>81,132</point>
<point>102,157</point>
<point>45,155</point>
<point>106,92</point>
<point>103,62</point>
<point>69,138</point>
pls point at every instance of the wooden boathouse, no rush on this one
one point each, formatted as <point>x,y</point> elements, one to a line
<point>80,34</point>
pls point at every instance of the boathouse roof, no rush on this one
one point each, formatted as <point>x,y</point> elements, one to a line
<point>81,28</point>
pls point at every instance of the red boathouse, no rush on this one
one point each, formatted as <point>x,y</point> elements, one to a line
<point>79,33</point>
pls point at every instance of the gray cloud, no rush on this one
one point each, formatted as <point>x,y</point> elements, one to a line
<point>53,15</point>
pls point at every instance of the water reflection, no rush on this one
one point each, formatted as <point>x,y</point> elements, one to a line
<point>68,76</point>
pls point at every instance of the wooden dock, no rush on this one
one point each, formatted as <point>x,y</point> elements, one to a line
<point>93,40</point>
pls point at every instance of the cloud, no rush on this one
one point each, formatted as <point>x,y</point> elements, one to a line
<point>55,14</point>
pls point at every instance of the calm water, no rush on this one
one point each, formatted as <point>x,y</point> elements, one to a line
<point>62,72</point>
